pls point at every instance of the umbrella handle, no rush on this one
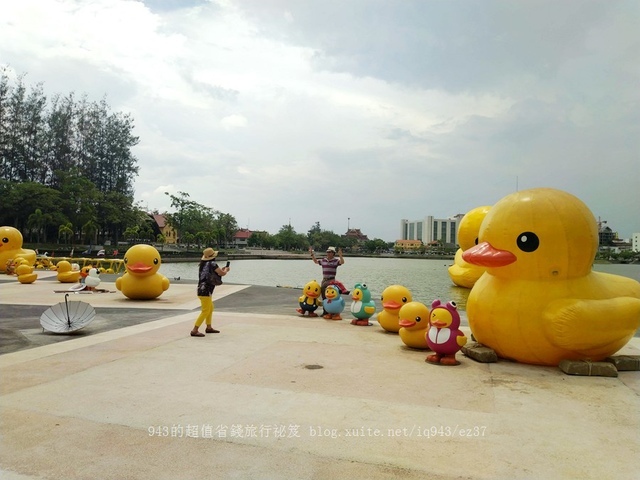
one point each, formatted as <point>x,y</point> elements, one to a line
<point>66,303</point>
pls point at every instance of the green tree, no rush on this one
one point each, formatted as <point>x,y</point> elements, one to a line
<point>38,221</point>
<point>66,232</point>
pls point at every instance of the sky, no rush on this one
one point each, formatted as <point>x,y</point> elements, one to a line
<point>353,113</point>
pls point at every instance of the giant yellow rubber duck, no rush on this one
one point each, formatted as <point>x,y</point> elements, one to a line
<point>141,280</point>
<point>539,301</point>
<point>11,248</point>
<point>464,274</point>
<point>393,298</point>
<point>414,323</point>
<point>25,273</point>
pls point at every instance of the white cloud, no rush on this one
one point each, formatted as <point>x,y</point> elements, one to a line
<point>313,111</point>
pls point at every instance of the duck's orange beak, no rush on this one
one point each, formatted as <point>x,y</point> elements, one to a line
<point>485,255</point>
<point>139,267</point>
<point>404,322</point>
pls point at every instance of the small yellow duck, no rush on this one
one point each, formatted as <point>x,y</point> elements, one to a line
<point>414,323</point>
<point>464,274</point>
<point>11,248</point>
<point>539,301</point>
<point>393,298</point>
<point>25,273</point>
<point>66,272</point>
<point>141,280</point>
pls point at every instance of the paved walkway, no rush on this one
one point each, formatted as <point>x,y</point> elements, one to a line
<point>275,396</point>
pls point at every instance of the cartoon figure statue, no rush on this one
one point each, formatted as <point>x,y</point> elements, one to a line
<point>444,336</point>
<point>393,298</point>
<point>462,273</point>
<point>362,306</point>
<point>539,301</point>
<point>310,299</point>
<point>11,248</point>
<point>333,304</point>
<point>141,280</point>
<point>414,323</point>
<point>92,280</point>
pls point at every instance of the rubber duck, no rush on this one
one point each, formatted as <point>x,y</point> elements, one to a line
<point>333,303</point>
<point>393,298</point>
<point>11,248</point>
<point>310,299</point>
<point>92,280</point>
<point>464,274</point>
<point>539,301</point>
<point>362,306</point>
<point>444,336</point>
<point>414,323</point>
<point>66,272</point>
<point>25,273</point>
<point>141,280</point>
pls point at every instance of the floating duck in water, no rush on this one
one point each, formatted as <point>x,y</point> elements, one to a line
<point>414,323</point>
<point>25,272</point>
<point>362,306</point>
<point>539,301</point>
<point>465,274</point>
<point>310,299</point>
<point>333,303</point>
<point>66,272</point>
<point>444,336</point>
<point>11,248</point>
<point>141,280</point>
<point>393,298</point>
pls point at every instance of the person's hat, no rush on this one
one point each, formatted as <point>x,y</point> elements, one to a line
<point>209,254</point>
<point>331,249</point>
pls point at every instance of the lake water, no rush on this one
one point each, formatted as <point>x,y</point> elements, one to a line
<point>426,279</point>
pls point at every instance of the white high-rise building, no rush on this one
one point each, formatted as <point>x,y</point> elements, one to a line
<point>431,229</point>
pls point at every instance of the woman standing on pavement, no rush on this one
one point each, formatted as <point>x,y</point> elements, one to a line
<point>209,275</point>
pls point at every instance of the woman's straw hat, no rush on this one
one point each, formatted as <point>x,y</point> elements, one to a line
<point>209,254</point>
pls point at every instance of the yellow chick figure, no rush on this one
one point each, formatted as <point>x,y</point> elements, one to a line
<point>11,248</point>
<point>393,298</point>
<point>539,301</point>
<point>414,323</point>
<point>141,280</point>
<point>66,272</point>
<point>464,274</point>
<point>25,273</point>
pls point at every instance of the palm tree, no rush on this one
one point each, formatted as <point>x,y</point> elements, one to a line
<point>38,221</point>
<point>66,231</point>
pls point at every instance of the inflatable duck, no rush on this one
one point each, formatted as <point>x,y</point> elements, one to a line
<point>66,272</point>
<point>444,336</point>
<point>92,280</point>
<point>414,323</point>
<point>310,299</point>
<point>141,280</point>
<point>539,301</point>
<point>393,298</point>
<point>333,303</point>
<point>25,273</point>
<point>11,248</point>
<point>465,274</point>
<point>362,307</point>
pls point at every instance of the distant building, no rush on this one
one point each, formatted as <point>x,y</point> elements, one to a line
<point>635,242</point>
<point>408,245</point>
<point>161,226</point>
<point>357,234</point>
<point>606,236</point>
<point>241,238</point>
<point>430,229</point>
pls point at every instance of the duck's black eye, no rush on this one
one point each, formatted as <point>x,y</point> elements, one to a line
<point>155,261</point>
<point>5,240</point>
<point>476,242</point>
<point>404,299</point>
<point>126,260</point>
<point>528,242</point>
<point>418,319</point>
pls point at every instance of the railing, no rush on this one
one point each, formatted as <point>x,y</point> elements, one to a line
<point>110,265</point>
